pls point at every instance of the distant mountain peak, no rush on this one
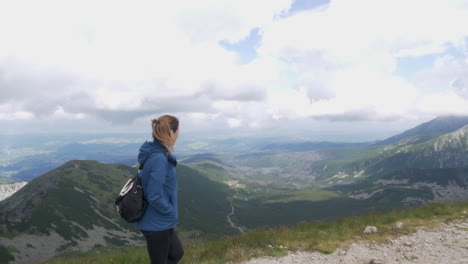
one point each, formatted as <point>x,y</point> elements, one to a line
<point>439,125</point>
<point>449,116</point>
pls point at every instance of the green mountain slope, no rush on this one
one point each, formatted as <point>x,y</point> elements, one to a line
<point>442,177</point>
<point>411,186</point>
<point>203,203</point>
<point>72,208</point>
<point>445,151</point>
<point>435,127</point>
<point>322,237</point>
<point>448,150</point>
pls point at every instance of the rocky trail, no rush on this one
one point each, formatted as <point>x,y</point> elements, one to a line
<point>445,245</point>
<point>233,225</point>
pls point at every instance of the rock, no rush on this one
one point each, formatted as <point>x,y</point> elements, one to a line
<point>411,257</point>
<point>370,229</point>
<point>341,252</point>
<point>390,241</point>
<point>376,261</point>
<point>408,243</point>
<point>398,224</point>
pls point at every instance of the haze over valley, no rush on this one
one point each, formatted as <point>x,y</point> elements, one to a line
<point>250,184</point>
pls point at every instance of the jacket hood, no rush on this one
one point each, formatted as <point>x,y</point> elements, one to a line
<point>149,148</point>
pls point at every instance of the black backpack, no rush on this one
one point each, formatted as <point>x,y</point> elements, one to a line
<point>130,203</point>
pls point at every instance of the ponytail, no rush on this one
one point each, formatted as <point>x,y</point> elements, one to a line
<point>162,128</point>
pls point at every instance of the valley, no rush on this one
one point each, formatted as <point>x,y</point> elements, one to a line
<point>262,185</point>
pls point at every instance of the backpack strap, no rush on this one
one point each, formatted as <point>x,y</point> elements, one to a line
<point>147,157</point>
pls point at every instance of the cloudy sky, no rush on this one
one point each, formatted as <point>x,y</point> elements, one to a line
<point>231,65</point>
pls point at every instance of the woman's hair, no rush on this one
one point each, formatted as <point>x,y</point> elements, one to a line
<point>162,128</point>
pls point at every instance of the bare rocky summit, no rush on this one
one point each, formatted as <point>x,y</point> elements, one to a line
<point>6,190</point>
<point>447,244</point>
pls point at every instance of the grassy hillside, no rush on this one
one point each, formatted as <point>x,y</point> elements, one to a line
<point>312,205</point>
<point>203,202</point>
<point>73,206</point>
<point>271,204</point>
<point>323,237</point>
<point>70,207</point>
<point>79,191</point>
<point>439,176</point>
<point>445,151</point>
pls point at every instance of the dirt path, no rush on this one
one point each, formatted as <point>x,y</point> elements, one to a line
<point>232,213</point>
<point>447,245</point>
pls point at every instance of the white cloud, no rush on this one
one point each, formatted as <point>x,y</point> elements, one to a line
<point>127,51</point>
<point>233,122</point>
<point>120,54</point>
<point>61,114</point>
<point>448,74</point>
<point>444,103</point>
<point>368,33</point>
<point>10,111</point>
<point>124,60</point>
<point>232,20</point>
<point>345,56</point>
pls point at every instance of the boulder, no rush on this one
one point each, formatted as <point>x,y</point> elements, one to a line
<point>370,229</point>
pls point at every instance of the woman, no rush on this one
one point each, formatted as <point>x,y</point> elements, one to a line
<point>159,181</point>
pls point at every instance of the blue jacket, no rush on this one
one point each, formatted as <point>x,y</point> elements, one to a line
<point>159,182</point>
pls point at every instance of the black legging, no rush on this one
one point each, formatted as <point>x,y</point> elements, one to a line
<point>164,247</point>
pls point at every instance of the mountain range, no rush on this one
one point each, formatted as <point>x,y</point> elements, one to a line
<point>439,125</point>
<point>440,143</point>
<point>70,208</point>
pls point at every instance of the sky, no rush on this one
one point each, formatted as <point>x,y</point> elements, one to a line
<point>364,68</point>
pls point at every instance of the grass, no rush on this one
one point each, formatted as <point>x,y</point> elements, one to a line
<point>211,170</point>
<point>322,237</point>
<point>5,254</point>
<point>304,195</point>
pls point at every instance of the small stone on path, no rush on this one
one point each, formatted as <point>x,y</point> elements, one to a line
<point>376,261</point>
